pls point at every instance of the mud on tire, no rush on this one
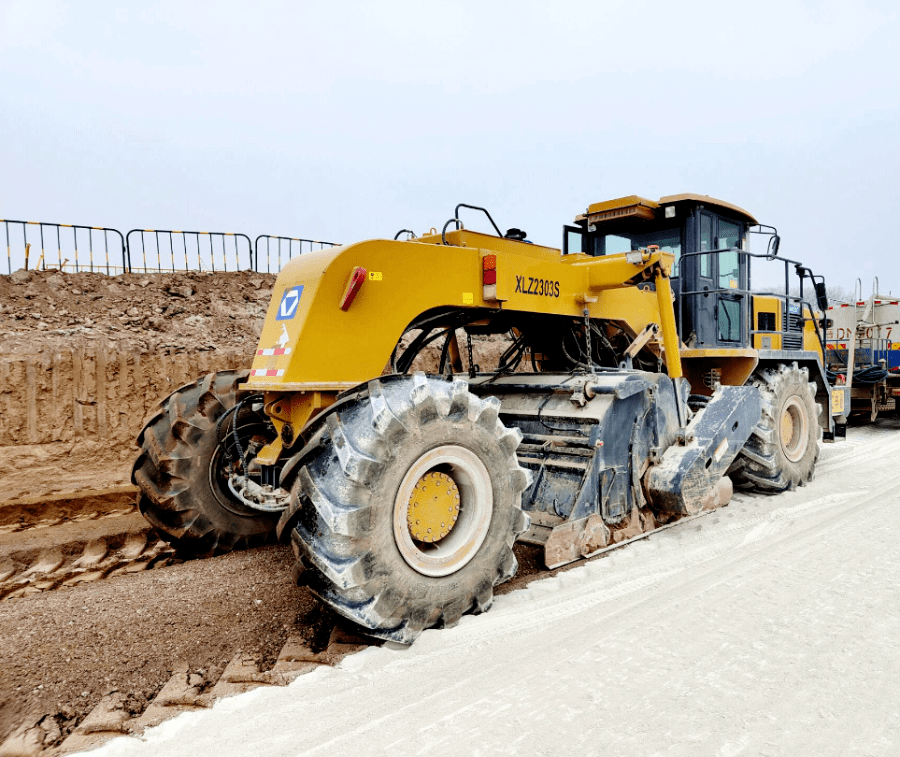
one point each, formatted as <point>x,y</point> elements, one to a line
<point>782,451</point>
<point>354,534</point>
<point>180,471</point>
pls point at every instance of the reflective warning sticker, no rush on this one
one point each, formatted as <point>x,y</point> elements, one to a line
<point>275,351</point>
<point>837,401</point>
<point>721,450</point>
<point>267,372</point>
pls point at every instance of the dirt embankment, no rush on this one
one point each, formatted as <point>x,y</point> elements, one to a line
<point>84,357</point>
<point>160,314</point>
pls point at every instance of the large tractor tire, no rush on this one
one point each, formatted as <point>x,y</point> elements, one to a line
<point>410,507</point>
<point>182,470</point>
<point>782,451</point>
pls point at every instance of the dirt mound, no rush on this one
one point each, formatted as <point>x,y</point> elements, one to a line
<point>162,313</point>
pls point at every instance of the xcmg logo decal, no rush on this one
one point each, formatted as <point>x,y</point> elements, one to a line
<point>290,300</point>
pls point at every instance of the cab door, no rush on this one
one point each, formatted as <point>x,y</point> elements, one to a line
<point>731,277</point>
<point>718,310</point>
<point>704,305</point>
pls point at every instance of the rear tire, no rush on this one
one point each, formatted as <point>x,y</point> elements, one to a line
<point>182,474</point>
<point>359,534</point>
<point>782,451</point>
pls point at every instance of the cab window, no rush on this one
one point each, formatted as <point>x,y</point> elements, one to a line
<point>729,234</point>
<point>668,240</point>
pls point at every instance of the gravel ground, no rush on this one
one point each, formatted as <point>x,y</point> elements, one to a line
<point>62,650</point>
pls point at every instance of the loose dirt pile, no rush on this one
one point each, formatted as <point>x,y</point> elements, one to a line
<point>159,314</point>
<point>63,650</point>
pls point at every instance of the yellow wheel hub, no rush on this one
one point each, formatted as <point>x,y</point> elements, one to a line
<point>433,507</point>
<point>787,428</point>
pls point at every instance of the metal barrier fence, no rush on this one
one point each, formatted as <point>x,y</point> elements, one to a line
<point>87,248</point>
<point>198,250</point>
<point>284,248</point>
<point>76,248</point>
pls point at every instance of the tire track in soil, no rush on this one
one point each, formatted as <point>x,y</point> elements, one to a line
<point>131,547</point>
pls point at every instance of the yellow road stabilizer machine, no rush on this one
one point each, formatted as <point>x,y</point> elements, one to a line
<point>642,378</point>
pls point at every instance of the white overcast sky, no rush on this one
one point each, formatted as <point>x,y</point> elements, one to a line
<point>346,121</point>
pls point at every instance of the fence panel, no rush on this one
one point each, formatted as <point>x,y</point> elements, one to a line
<point>68,247</point>
<point>160,250</point>
<point>77,248</point>
<point>278,250</point>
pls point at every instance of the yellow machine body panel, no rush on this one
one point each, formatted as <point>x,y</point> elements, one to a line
<point>309,341</point>
<point>810,337</point>
<point>313,341</point>
<point>773,308</point>
<point>708,366</point>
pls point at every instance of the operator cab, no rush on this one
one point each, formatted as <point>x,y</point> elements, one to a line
<point>712,304</point>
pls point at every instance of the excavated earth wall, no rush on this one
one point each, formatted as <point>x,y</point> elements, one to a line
<point>69,418</point>
<point>85,357</point>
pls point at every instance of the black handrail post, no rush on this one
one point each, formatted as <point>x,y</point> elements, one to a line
<point>476,207</point>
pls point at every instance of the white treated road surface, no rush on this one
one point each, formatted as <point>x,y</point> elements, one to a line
<point>769,628</point>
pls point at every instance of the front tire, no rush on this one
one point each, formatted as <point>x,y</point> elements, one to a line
<point>183,467</point>
<point>410,508</point>
<point>782,451</point>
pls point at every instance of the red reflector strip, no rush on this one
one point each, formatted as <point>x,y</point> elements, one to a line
<point>489,277</point>
<point>275,351</point>
<point>267,372</point>
<point>353,286</point>
<point>489,263</point>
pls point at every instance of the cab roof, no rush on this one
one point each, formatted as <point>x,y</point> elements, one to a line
<point>635,207</point>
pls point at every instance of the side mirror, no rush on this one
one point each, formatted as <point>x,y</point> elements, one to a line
<point>774,244</point>
<point>821,296</point>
